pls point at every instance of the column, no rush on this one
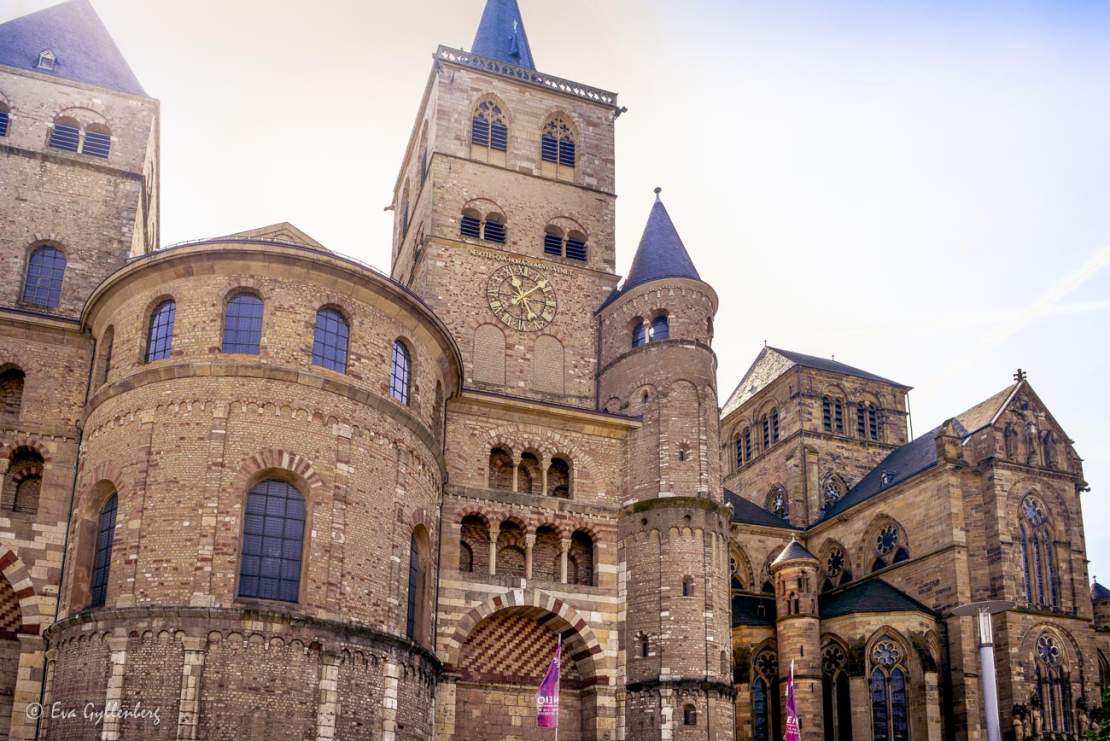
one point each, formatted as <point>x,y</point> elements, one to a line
<point>545,463</point>
<point>516,471</point>
<point>565,543</point>
<point>529,542</point>
<point>328,703</point>
<point>113,698</point>
<point>192,670</point>
<point>932,706</point>
<point>493,533</point>
<point>860,695</point>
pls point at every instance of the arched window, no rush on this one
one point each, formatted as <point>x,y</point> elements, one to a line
<point>778,504</point>
<point>834,693</point>
<point>500,469</point>
<point>98,141</point>
<point>159,340</point>
<point>400,371</point>
<point>558,478</point>
<point>660,328</point>
<point>489,133</point>
<point>766,713</point>
<point>765,423</point>
<point>580,559</point>
<point>774,425</point>
<point>1053,687</point>
<point>890,546</point>
<point>102,558</point>
<point>557,150</point>
<point>1038,549</point>
<point>11,396</point>
<point>273,542</point>
<point>23,481</point>
<point>645,646</point>
<point>559,243</point>
<point>687,586</point>
<point>243,324</point>
<point>867,421</point>
<point>471,224</point>
<point>107,343</point>
<point>42,285</point>
<point>837,569</point>
<point>689,715</point>
<point>329,341</point>
<point>639,336</point>
<point>494,228</point>
<point>889,706</point>
<point>65,134</point>
<point>832,491</point>
<point>474,545</point>
<point>417,587</point>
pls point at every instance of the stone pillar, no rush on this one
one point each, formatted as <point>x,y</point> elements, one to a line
<point>565,543</point>
<point>493,533</point>
<point>445,706</point>
<point>192,670</point>
<point>391,674</point>
<point>516,471</point>
<point>860,694</point>
<point>328,702</point>
<point>27,684</point>
<point>545,463</point>
<point>529,543</point>
<point>113,698</point>
<point>932,706</point>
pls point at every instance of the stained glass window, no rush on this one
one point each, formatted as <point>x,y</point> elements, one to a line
<point>329,343</point>
<point>273,541</point>
<point>488,128</point>
<point>243,324</point>
<point>400,371</point>
<point>1038,555</point>
<point>557,143</point>
<point>889,699</point>
<point>102,560</point>
<point>159,342</point>
<point>45,270</point>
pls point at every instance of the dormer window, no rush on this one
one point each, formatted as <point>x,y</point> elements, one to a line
<point>46,60</point>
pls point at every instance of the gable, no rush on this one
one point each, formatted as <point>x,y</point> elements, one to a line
<point>768,366</point>
<point>280,232</point>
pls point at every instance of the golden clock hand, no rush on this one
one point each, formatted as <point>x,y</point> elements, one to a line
<point>537,287</point>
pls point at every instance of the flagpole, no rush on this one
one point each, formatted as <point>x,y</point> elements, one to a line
<point>559,653</point>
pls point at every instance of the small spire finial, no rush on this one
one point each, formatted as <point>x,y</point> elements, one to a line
<point>1020,375</point>
<point>658,190</point>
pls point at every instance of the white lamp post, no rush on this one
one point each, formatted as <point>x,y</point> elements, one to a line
<point>982,612</point>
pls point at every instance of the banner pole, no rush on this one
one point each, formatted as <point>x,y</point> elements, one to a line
<point>559,651</point>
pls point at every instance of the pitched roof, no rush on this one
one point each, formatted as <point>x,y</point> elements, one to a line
<point>986,411</point>
<point>501,34</point>
<point>772,362</point>
<point>872,595</point>
<point>793,551</point>
<point>750,609</point>
<point>1099,592</point>
<point>83,49</point>
<point>752,514</point>
<point>282,232</point>
<point>902,463</point>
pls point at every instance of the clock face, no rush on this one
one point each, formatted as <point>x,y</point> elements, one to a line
<point>522,298</point>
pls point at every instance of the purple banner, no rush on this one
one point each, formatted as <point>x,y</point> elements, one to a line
<point>547,699</point>
<point>792,731</point>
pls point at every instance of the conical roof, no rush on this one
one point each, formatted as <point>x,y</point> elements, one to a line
<point>792,552</point>
<point>1099,592</point>
<point>661,253</point>
<point>501,34</point>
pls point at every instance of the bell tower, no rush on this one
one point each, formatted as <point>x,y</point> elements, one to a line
<point>798,629</point>
<point>504,213</point>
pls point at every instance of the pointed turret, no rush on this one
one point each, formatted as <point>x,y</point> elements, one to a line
<point>661,253</point>
<point>67,41</point>
<point>501,34</point>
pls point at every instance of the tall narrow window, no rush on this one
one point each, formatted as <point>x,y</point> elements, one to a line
<point>107,341</point>
<point>557,149</point>
<point>747,444</point>
<point>1038,555</point>
<point>838,415</point>
<point>488,128</point>
<point>834,694</point>
<point>766,714</point>
<point>739,450</point>
<point>102,559</point>
<point>399,372</point>
<point>889,708</point>
<point>689,716</point>
<point>687,586</point>
<point>765,423</point>
<point>43,283</point>
<point>11,395</point>
<point>243,324</point>
<point>872,422</point>
<point>414,619</point>
<point>273,541</point>
<point>329,342</point>
<point>826,413</point>
<point>159,341</point>
<point>660,328</point>
<point>645,646</point>
<point>639,336</point>
<point>774,425</point>
<point>5,119</point>
<point>861,419</point>
<point>1053,687</point>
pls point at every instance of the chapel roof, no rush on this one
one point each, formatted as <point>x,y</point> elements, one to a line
<point>870,595</point>
<point>752,514</point>
<point>751,609</point>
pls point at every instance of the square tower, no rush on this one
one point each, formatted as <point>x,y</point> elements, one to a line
<point>504,214</point>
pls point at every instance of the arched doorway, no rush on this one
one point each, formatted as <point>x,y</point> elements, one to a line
<point>500,666</point>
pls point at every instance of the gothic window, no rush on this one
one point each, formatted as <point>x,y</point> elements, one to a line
<point>159,341</point>
<point>689,715</point>
<point>660,328</point>
<point>400,371</point>
<point>1038,555</point>
<point>102,558</point>
<point>889,706</point>
<point>243,324</point>
<point>417,586</point>
<point>639,336</point>
<point>834,693</point>
<point>890,547</point>
<point>687,586</point>
<point>837,569</point>
<point>273,541</point>
<point>736,583</point>
<point>11,396</point>
<point>42,285</point>
<point>774,425</point>
<point>834,489</point>
<point>488,127</point>
<point>778,504</point>
<point>557,148</point>
<point>766,713</point>
<point>1053,687</point>
<point>826,413</point>
<point>329,340</point>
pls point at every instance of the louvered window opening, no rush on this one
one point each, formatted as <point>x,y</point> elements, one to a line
<point>766,433</point>
<point>576,249</point>
<point>739,451</point>
<point>566,152</point>
<point>97,144</point>
<point>861,420</point>
<point>838,415</point>
<point>470,226</point>
<point>873,422</point>
<point>549,148</point>
<point>5,118</point>
<point>774,425</point>
<point>499,136</point>
<point>747,445</point>
<point>479,132</point>
<point>495,232</point>
<point>552,244</point>
<point>65,138</point>
<point>826,414</point>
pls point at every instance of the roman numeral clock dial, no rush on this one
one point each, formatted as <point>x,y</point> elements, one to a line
<point>521,298</point>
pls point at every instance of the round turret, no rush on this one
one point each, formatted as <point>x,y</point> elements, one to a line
<point>795,574</point>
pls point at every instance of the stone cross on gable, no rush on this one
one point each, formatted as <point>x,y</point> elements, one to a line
<point>1020,375</point>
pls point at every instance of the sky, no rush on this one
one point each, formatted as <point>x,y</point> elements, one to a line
<point>920,189</point>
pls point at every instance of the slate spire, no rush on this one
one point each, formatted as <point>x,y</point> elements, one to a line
<point>661,253</point>
<point>501,34</point>
<point>82,47</point>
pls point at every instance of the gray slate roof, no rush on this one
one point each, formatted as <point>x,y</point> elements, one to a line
<point>872,595</point>
<point>902,463</point>
<point>792,551</point>
<point>84,50</point>
<point>661,253</point>
<point>752,514</point>
<point>501,34</point>
<point>1099,592</point>
<point>833,366</point>
<point>750,609</point>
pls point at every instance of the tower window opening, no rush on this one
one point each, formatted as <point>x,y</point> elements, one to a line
<point>488,129</point>
<point>826,413</point>
<point>747,444</point>
<point>471,224</point>
<point>838,415</point>
<point>687,586</point>
<point>553,241</point>
<point>639,335</point>
<point>766,424</point>
<point>494,229</point>
<point>660,328</point>
<point>5,120</point>
<point>557,149</point>
<point>98,142</point>
<point>576,246</point>
<point>774,425</point>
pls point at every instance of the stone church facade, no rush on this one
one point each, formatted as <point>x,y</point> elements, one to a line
<point>273,492</point>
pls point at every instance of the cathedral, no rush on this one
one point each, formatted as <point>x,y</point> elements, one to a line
<point>253,488</point>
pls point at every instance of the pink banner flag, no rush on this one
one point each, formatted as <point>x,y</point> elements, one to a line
<point>792,731</point>
<point>547,699</point>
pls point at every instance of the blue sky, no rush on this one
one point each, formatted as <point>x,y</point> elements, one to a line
<point>921,189</point>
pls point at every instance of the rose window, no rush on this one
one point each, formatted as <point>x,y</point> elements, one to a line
<point>887,540</point>
<point>886,653</point>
